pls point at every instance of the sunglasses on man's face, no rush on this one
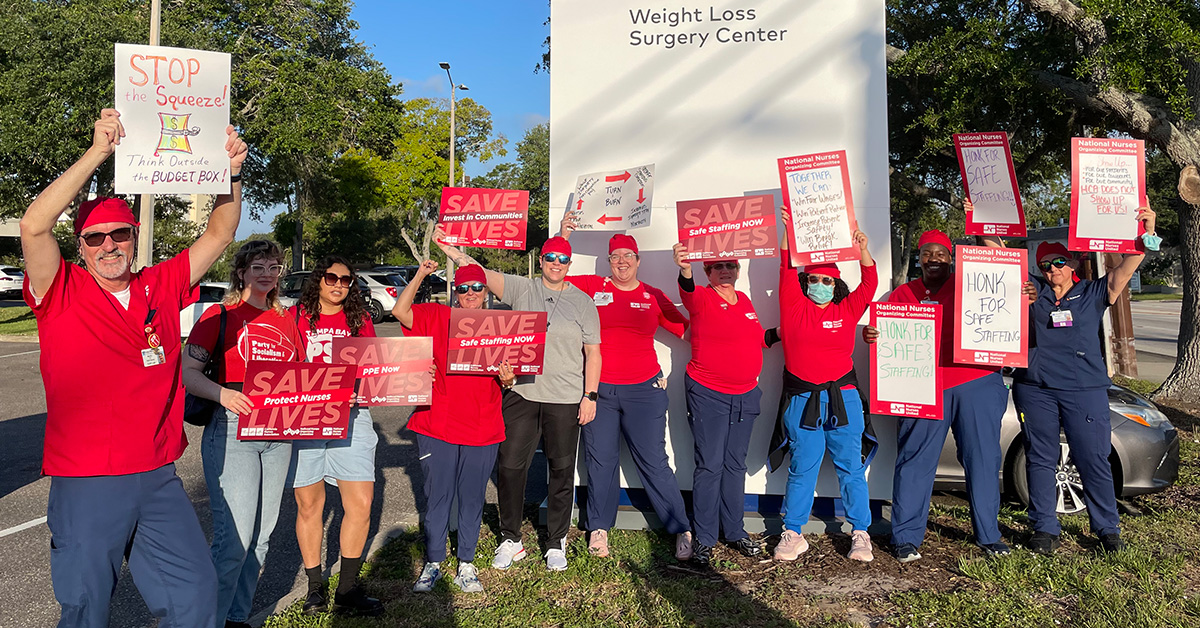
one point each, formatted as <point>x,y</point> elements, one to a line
<point>561,258</point>
<point>813,280</point>
<point>1057,262</point>
<point>331,280</point>
<point>463,288</point>
<point>118,235</point>
<point>724,266</point>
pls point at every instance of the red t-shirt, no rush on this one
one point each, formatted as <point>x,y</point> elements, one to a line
<point>107,413</point>
<point>628,320</point>
<point>727,341</point>
<point>952,374</point>
<point>465,408</point>
<point>250,334</point>
<point>818,343</point>
<point>318,343</point>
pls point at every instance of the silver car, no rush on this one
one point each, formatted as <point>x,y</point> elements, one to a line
<point>1144,458</point>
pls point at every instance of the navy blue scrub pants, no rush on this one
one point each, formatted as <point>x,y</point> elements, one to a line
<point>98,522</point>
<point>721,428</point>
<point>1083,415</point>
<point>974,410</point>
<point>451,471</point>
<point>638,412</point>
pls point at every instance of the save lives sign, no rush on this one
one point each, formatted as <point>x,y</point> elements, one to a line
<point>391,371</point>
<point>741,227</point>
<point>297,400</point>
<point>481,339</point>
<point>905,378</point>
<point>991,315</point>
<point>494,219</point>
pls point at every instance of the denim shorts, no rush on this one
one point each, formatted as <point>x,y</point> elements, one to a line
<point>351,459</point>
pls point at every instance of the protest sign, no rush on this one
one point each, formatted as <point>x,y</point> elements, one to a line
<point>992,315</point>
<point>613,201</point>
<point>494,219</point>
<point>990,181</point>
<point>1108,185</point>
<point>391,371</point>
<point>816,193</point>
<point>174,105</point>
<point>481,339</point>
<point>740,227</point>
<point>297,400</point>
<point>905,379</point>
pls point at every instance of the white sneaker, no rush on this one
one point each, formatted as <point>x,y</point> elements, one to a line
<point>508,553</point>
<point>429,577</point>
<point>556,557</point>
<point>468,579</point>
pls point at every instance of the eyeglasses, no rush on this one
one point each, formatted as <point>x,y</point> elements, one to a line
<point>624,256</point>
<point>561,258</point>
<point>813,280</point>
<point>337,280</point>
<point>273,269</point>
<point>118,235</point>
<point>463,288</point>
<point>1057,262</point>
<point>723,266</point>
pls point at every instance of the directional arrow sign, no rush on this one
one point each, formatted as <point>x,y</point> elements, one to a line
<point>615,200</point>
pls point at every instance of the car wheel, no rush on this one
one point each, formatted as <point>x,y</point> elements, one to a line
<point>375,308</point>
<point>1068,486</point>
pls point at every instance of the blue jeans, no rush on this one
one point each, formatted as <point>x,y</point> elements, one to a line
<point>245,486</point>
<point>808,448</point>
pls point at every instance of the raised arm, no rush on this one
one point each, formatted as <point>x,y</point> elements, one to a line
<point>403,308</point>
<point>42,258</point>
<point>566,226</point>
<point>495,280</point>
<point>227,212</point>
<point>1118,278</point>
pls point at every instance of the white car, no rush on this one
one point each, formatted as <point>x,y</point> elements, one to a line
<point>12,281</point>
<point>211,293</point>
<point>384,287</point>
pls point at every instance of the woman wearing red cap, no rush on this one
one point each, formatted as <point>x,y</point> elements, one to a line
<point>820,408</point>
<point>551,405</point>
<point>458,433</point>
<point>633,398</point>
<point>1065,388</point>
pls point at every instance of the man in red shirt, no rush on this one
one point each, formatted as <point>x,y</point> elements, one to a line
<point>114,422</point>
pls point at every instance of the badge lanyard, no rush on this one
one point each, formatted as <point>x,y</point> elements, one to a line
<point>153,354</point>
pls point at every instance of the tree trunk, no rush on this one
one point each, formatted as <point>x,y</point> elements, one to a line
<point>298,219</point>
<point>902,246</point>
<point>1183,383</point>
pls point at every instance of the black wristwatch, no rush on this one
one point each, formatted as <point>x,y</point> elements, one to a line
<point>592,395</point>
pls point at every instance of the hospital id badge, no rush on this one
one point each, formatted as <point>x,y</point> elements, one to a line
<point>929,302</point>
<point>153,356</point>
<point>1061,318</point>
<point>602,298</point>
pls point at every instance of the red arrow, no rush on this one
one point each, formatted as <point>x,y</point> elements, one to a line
<point>641,197</point>
<point>621,177</point>
<point>580,205</point>
<point>605,219</point>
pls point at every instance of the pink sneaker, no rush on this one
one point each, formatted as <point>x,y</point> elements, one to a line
<point>860,547</point>
<point>791,545</point>
<point>598,543</point>
<point>683,546</point>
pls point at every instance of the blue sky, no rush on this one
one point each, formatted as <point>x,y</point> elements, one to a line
<point>492,47</point>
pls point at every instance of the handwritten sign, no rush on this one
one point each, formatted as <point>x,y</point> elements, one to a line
<point>990,181</point>
<point>494,219</point>
<point>816,191</point>
<point>297,400</point>
<point>481,339</point>
<point>391,371</point>
<point>1108,185</point>
<point>613,201</point>
<point>905,379</point>
<point>174,105</point>
<point>992,314</point>
<point>741,227</point>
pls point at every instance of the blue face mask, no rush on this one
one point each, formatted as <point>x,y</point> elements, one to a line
<point>820,293</point>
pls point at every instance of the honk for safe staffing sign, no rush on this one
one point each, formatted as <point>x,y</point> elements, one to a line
<point>174,105</point>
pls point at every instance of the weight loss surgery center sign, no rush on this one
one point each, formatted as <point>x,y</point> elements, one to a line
<point>699,26</point>
<point>174,105</point>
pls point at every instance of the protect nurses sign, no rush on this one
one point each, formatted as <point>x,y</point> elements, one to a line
<point>174,105</point>
<point>297,400</point>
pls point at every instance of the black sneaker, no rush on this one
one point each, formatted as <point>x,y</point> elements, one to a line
<point>907,553</point>
<point>746,546</point>
<point>702,555</point>
<point>317,601</point>
<point>356,602</point>
<point>1110,543</point>
<point>1043,543</point>
<point>996,549</point>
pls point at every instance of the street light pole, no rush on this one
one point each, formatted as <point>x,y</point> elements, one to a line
<point>145,253</point>
<point>450,263</point>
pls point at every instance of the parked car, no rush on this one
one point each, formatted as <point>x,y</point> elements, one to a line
<point>211,293</point>
<point>12,281</point>
<point>1144,458</point>
<point>381,295</point>
<point>432,284</point>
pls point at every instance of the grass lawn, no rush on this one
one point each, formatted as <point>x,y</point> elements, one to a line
<point>17,321</point>
<point>1155,296</point>
<point>1155,582</point>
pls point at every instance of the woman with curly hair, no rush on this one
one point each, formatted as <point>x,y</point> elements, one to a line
<point>245,478</point>
<point>332,306</point>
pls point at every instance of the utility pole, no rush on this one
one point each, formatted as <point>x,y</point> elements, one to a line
<point>145,253</point>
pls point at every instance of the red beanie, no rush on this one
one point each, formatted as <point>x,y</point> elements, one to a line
<point>622,241</point>
<point>102,210</point>
<point>824,269</point>
<point>934,236</point>
<point>471,273</point>
<point>1051,248</point>
<point>557,245</point>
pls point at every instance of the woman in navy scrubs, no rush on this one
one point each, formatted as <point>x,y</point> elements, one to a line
<point>1065,386</point>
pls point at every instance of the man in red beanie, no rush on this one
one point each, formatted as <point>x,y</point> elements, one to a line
<point>114,399</point>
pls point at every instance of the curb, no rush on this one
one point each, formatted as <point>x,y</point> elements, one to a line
<point>30,338</point>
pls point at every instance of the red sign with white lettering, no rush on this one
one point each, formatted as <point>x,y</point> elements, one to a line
<point>740,227</point>
<point>297,400</point>
<point>391,371</point>
<point>481,339</point>
<point>493,219</point>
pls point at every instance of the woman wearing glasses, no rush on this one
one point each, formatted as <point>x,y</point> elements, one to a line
<point>820,408</point>
<point>551,405</point>
<point>458,434</point>
<point>723,400</point>
<point>331,306</point>
<point>245,478</point>
<point>1065,387</point>
<point>632,396</point>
